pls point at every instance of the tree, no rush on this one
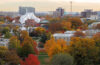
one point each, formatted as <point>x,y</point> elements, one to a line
<point>79,34</point>
<point>89,21</point>
<point>27,40</point>
<point>96,37</point>
<point>54,27</point>
<point>53,47</point>
<point>44,37</point>
<point>40,31</point>
<point>31,60</point>
<point>84,51</point>
<point>66,25</point>
<point>76,22</point>
<point>14,43</point>
<point>25,50</point>
<point>98,26</point>
<point>62,59</point>
<point>11,58</point>
<point>8,57</point>
<point>23,34</point>
<point>28,46</point>
<point>8,35</point>
<point>5,30</point>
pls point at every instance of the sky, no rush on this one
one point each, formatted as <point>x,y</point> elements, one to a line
<point>50,5</point>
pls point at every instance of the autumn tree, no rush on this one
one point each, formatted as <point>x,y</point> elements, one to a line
<point>84,51</point>
<point>12,58</point>
<point>79,34</point>
<point>40,30</point>
<point>14,43</point>
<point>96,37</point>
<point>53,47</point>
<point>8,57</point>
<point>9,19</point>
<point>76,22</point>
<point>28,47</point>
<point>97,26</point>
<point>23,34</point>
<point>37,32</point>
<point>30,60</point>
<point>66,25</point>
<point>54,27</point>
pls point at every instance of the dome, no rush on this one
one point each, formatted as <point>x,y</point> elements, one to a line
<point>27,16</point>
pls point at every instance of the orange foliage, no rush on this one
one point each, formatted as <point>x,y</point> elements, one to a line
<point>79,34</point>
<point>53,47</point>
<point>76,22</point>
<point>66,25</point>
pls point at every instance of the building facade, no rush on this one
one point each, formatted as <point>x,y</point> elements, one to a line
<point>24,10</point>
<point>88,13</point>
<point>59,12</point>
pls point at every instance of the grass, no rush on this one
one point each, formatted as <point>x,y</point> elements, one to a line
<point>44,59</point>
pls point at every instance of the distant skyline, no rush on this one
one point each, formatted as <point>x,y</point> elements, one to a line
<point>50,5</point>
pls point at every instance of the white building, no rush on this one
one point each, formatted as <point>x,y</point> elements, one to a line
<point>93,17</point>
<point>4,42</point>
<point>66,36</point>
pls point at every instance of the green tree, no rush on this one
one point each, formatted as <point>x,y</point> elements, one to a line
<point>25,50</point>
<point>62,59</point>
<point>5,30</point>
<point>45,37</point>
<point>8,35</point>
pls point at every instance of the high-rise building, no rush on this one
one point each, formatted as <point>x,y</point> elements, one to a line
<point>59,12</point>
<point>24,10</point>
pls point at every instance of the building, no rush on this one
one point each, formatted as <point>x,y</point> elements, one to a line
<point>93,25</point>
<point>66,36</point>
<point>24,10</point>
<point>4,42</point>
<point>69,34</point>
<point>10,14</point>
<point>59,12</point>
<point>87,13</point>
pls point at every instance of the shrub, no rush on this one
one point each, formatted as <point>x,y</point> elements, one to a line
<point>62,59</point>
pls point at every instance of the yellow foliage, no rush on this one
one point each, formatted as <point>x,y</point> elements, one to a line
<point>82,45</point>
<point>66,25</point>
<point>53,47</point>
<point>40,30</point>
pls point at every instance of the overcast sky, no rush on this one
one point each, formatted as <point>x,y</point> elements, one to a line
<point>50,5</point>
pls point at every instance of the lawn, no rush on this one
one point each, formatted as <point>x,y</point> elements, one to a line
<point>44,59</point>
